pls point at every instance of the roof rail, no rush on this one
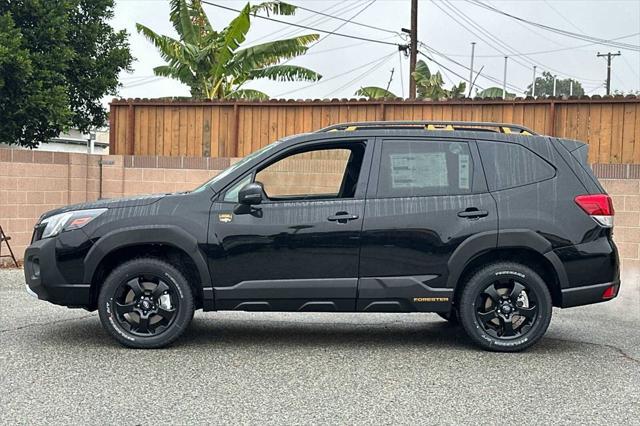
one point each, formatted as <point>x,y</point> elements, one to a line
<point>432,125</point>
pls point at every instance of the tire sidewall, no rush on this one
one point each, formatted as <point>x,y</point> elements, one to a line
<point>480,281</point>
<point>173,278</point>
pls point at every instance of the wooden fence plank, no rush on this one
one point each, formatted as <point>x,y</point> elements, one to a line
<point>616,134</point>
<point>152,122</point>
<point>604,151</point>
<point>636,146</point>
<point>146,127</point>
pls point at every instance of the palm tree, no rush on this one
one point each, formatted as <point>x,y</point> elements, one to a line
<point>428,86</point>
<point>212,63</point>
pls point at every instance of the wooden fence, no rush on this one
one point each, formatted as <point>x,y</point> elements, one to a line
<point>610,125</point>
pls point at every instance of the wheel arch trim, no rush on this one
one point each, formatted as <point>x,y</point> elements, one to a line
<point>484,242</point>
<point>151,234</point>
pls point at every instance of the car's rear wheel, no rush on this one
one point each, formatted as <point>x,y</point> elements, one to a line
<point>145,303</point>
<point>505,307</point>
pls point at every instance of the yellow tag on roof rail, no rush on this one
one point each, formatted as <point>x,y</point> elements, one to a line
<point>448,127</point>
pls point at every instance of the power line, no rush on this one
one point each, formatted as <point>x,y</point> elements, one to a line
<point>486,76</point>
<point>347,46</point>
<point>323,38</point>
<point>542,52</point>
<point>446,68</point>
<point>505,48</point>
<point>310,19</point>
<point>346,21</point>
<point>373,27</point>
<point>360,76</point>
<point>557,30</point>
<point>305,26</point>
<point>142,82</point>
<point>324,80</point>
<point>315,20</point>
<point>552,7</point>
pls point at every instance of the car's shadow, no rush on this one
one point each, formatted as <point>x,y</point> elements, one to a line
<point>213,331</point>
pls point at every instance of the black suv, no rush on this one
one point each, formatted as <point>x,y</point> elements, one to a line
<point>485,224</point>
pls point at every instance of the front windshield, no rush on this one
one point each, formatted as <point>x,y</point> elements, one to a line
<point>237,165</point>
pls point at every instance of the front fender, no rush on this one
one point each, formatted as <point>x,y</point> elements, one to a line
<point>151,234</point>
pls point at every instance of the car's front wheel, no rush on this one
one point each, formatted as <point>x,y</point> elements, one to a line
<point>145,303</point>
<point>505,307</point>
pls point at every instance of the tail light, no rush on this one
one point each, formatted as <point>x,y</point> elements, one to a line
<point>598,206</point>
<point>610,292</point>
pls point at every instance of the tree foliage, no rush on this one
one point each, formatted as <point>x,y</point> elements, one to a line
<point>428,86</point>
<point>212,63</point>
<point>58,59</point>
<point>544,86</point>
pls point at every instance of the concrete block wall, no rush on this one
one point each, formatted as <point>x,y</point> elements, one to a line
<point>32,182</point>
<point>626,203</point>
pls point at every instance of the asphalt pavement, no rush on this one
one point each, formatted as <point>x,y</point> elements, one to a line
<point>58,366</point>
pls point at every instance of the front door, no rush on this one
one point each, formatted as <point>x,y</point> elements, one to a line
<point>298,250</point>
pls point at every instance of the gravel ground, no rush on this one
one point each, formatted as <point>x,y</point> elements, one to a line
<point>59,366</point>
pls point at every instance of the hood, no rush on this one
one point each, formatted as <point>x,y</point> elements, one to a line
<point>110,203</point>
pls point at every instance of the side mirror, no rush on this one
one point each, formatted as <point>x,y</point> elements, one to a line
<point>251,194</point>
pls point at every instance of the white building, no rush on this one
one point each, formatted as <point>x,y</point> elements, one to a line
<point>75,141</point>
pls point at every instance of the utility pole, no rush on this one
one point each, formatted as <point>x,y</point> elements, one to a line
<point>533,84</point>
<point>504,81</point>
<point>413,49</point>
<point>555,78</point>
<point>473,51</point>
<point>608,56</point>
<point>570,87</point>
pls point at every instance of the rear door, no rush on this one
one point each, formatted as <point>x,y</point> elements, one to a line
<point>425,199</point>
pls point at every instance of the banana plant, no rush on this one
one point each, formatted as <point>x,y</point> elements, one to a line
<point>213,64</point>
<point>428,86</point>
<point>494,92</point>
<point>374,92</point>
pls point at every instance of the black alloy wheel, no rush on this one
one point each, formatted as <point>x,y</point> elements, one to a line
<point>506,309</point>
<point>505,306</point>
<point>146,303</point>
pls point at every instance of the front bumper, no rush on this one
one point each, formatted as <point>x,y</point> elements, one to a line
<point>45,280</point>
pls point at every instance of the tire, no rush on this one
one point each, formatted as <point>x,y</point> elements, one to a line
<point>505,307</point>
<point>145,303</point>
<point>451,317</point>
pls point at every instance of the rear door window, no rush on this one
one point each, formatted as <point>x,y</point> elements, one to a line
<point>508,165</point>
<point>419,168</point>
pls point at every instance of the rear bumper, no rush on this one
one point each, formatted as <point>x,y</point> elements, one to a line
<point>587,295</point>
<point>590,268</point>
<point>46,282</point>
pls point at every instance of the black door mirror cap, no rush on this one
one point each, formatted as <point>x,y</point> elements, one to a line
<point>251,194</point>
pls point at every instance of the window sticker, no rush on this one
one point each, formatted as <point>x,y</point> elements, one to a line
<point>419,170</point>
<point>463,171</point>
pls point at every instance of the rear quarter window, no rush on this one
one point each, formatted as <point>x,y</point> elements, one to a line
<point>508,165</point>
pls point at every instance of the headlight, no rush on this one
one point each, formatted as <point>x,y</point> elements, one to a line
<point>68,221</point>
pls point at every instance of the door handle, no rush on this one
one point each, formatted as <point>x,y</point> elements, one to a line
<point>473,213</point>
<point>342,217</point>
